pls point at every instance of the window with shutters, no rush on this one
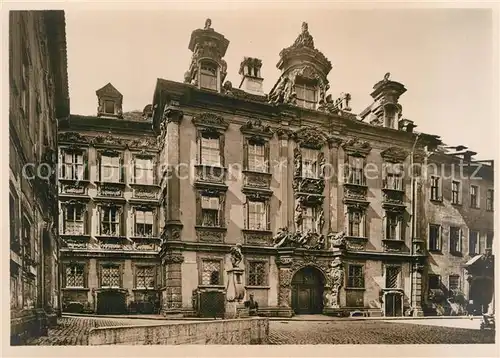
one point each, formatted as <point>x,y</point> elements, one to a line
<point>257,218</point>
<point>392,276</point>
<point>210,210</point>
<point>434,237</point>
<point>208,75</point>
<point>110,276</point>
<point>489,200</point>
<point>393,176</point>
<point>256,153</point>
<point>110,220</point>
<point>210,151</point>
<point>474,196</point>
<point>355,276</point>
<point>145,277</point>
<point>143,171</point>
<point>455,192</point>
<point>257,273</point>
<point>473,242</point>
<point>310,165</point>
<point>144,221</point>
<point>110,168</point>
<point>356,220</point>
<point>455,240</point>
<point>306,95</point>
<point>211,272</point>
<point>75,276</point>
<point>354,173</point>
<point>74,219</point>
<point>72,166</point>
<point>435,188</point>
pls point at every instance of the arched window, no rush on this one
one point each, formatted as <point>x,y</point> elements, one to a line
<point>208,76</point>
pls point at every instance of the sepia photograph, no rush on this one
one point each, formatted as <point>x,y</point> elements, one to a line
<point>251,175</point>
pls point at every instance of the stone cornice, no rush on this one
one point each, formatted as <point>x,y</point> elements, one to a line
<point>212,121</point>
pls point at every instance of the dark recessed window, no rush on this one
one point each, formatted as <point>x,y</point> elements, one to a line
<point>109,107</point>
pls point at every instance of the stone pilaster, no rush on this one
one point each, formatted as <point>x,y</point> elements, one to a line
<point>173,225</point>
<point>416,291</point>
<point>284,263</point>
<point>173,297</point>
<point>332,186</point>
<point>283,167</point>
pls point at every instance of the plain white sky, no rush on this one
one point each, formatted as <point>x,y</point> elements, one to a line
<point>442,56</point>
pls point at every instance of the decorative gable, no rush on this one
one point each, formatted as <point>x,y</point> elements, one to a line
<point>310,138</point>
<point>210,121</point>
<point>394,155</point>
<point>109,102</point>
<point>357,147</point>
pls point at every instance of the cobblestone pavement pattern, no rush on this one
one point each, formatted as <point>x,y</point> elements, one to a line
<point>74,331</point>
<point>372,332</point>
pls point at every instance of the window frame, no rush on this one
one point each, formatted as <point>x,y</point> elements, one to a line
<point>439,239</point>
<point>435,190</point>
<point>83,214</point>
<point>398,278</point>
<point>348,283</point>
<point>459,285</point>
<point>220,264</point>
<point>394,171</point>
<point>362,222</point>
<point>301,87</point>
<point>439,281</point>
<point>73,170</point>
<point>153,221</point>
<point>453,248</point>
<point>266,215</point>
<point>149,170</point>
<point>490,200</point>
<point>456,194</point>
<point>104,266</point>
<point>203,72</point>
<point>71,265</point>
<point>140,267</point>
<point>251,274</point>
<point>355,173</point>
<point>476,197</point>
<point>119,216</point>
<point>477,244</point>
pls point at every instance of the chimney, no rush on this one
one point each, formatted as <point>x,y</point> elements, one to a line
<point>251,80</point>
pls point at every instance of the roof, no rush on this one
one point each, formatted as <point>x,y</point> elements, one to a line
<point>473,260</point>
<point>109,90</point>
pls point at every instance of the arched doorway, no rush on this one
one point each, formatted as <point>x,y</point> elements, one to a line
<point>481,293</point>
<point>307,291</point>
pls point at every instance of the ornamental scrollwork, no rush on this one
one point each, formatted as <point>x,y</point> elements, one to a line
<point>173,258</point>
<point>310,138</point>
<point>394,154</point>
<point>210,120</point>
<point>256,127</point>
<point>72,137</point>
<point>355,146</point>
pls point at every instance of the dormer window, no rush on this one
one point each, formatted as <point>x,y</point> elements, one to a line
<point>208,76</point>
<point>109,107</point>
<point>306,94</point>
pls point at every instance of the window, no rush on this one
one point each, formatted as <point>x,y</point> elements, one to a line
<point>208,76</point>
<point>309,219</point>
<point>393,177</point>
<point>110,276</point>
<point>211,272</point>
<point>210,150</point>
<point>72,167</point>
<point>393,227</point>
<point>489,240</point>
<point>454,282</point>
<point>455,192</point>
<point>257,273</point>
<point>26,229</point>
<point>392,274</point>
<point>306,95</point>
<point>14,239</point>
<point>143,171</point>
<point>473,243</point>
<point>109,107</point>
<point>434,282</point>
<point>434,237</point>
<point>145,277</point>
<point>14,292</point>
<point>435,188</point>
<point>110,168</point>
<point>257,157</point>
<point>489,200</point>
<point>310,167</point>
<point>257,215</point>
<point>474,202</point>
<point>455,240</point>
<point>144,222</point>
<point>355,171</point>
<point>75,275</point>
<point>73,223</point>
<point>210,206</point>
<point>356,221</point>
<point>110,221</point>
<point>25,90</point>
<point>355,277</point>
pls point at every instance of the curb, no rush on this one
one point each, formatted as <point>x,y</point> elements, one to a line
<point>137,317</point>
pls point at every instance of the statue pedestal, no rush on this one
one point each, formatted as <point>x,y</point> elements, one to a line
<point>235,293</point>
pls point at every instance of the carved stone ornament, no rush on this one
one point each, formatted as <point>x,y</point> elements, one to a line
<point>356,243</point>
<point>145,143</point>
<point>207,234</point>
<point>258,195</point>
<point>236,255</point>
<point>258,238</point>
<point>394,154</point>
<point>109,189</point>
<point>355,192</point>
<point>73,188</point>
<point>335,280</point>
<point>393,245</point>
<point>108,139</point>
<point>255,127</point>
<point>72,137</point>
<point>308,185</point>
<point>337,240</point>
<point>172,113</point>
<point>211,121</point>
<point>357,147</point>
<point>307,240</point>
<point>310,138</point>
<point>339,106</point>
<point>297,160</point>
<point>210,174</point>
<point>284,133</point>
<point>257,180</point>
<point>171,258</point>
<point>145,193</point>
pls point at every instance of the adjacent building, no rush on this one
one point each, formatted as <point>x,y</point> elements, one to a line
<point>38,98</point>
<point>331,210</point>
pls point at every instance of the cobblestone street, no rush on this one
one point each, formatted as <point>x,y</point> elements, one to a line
<point>74,331</point>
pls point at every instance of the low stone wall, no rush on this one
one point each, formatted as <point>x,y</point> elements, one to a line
<point>234,331</point>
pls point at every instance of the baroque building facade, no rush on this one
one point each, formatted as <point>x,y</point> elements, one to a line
<point>330,209</point>
<point>38,97</point>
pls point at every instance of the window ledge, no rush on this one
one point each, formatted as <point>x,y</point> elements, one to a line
<point>76,289</point>
<point>117,183</point>
<point>65,180</point>
<point>218,287</point>
<point>210,228</point>
<point>437,200</point>
<point>248,171</point>
<point>436,251</point>
<point>153,185</point>
<point>117,237</point>
<point>394,190</point>
<point>355,289</point>
<point>255,231</point>
<point>138,237</point>
<point>151,289</point>
<point>456,204</point>
<point>356,185</point>
<point>257,287</point>
<point>210,166</point>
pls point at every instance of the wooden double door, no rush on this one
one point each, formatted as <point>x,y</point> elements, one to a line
<point>307,291</point>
